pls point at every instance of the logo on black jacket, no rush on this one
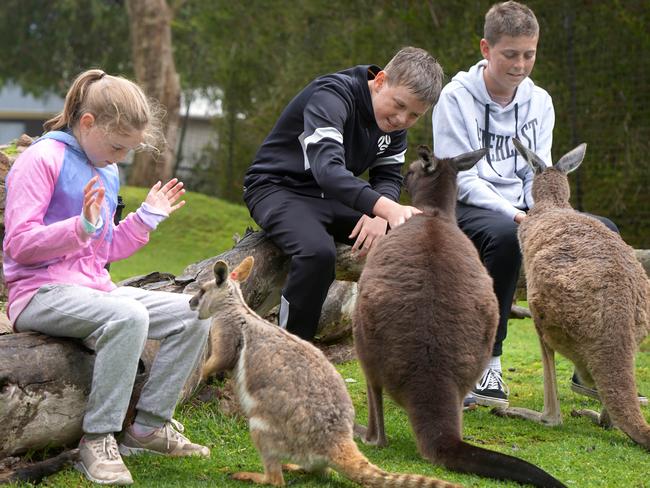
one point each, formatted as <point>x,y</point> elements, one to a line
<point>383,143</point>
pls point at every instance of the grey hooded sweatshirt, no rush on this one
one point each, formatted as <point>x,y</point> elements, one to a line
<point>466,119</point>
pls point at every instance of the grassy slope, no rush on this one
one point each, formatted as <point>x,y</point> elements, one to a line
<point>204,227</point>
<point>578,453</point>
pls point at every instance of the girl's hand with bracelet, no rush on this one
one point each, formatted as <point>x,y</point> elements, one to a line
<point>93,201</point>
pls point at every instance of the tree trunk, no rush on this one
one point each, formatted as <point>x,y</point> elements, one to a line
<point>155,71</point>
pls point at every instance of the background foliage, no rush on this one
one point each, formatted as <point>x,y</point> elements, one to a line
<point>259,53</point>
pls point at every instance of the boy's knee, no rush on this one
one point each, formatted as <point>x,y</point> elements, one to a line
<point>506,238</point>
<point>322,257</point>
<point>503,247</point>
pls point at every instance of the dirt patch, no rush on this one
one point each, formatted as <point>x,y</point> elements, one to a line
<point>339,352</point>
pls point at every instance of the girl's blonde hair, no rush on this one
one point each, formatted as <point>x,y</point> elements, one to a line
<point>118,105</point>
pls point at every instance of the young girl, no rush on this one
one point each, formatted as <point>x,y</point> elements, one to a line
<point>59,236</point>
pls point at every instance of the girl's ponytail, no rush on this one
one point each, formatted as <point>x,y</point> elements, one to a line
<point>73,101</point>
<point>118,105</point>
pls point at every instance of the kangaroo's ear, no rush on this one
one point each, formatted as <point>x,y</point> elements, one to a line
<point>534,161</point>
<point>571,160</point>
<point>429,162</point>
<point>465,161</point>
<point>243,270</point>
<point>220,272</point>
<point>424,152</point>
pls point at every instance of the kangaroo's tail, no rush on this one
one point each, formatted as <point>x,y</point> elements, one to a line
<point>617,390</point>
<point>437,424</point>
<point>461,456</point>
<point>350,462</point>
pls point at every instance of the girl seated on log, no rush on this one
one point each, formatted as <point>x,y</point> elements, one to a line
<point>61,198</point>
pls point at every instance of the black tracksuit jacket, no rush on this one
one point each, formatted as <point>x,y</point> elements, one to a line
<point>326,137</point>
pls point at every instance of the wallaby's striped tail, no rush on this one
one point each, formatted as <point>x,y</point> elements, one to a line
<point>348,460</point>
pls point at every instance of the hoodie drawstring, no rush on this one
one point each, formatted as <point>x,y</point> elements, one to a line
<point>486,135</point>
<point>516,133</point>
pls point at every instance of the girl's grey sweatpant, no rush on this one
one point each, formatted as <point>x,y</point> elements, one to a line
<point>116,325</point>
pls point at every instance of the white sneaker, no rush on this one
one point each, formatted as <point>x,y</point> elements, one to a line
<point>100,461</point>
<point>168,440</point>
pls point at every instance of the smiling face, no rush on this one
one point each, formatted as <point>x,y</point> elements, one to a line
<point>510,60</point>
<point>395,106</point>
<point>104,147</point>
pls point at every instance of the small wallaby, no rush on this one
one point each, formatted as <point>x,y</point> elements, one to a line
<point>424,325</point>
<point>297,404</point>
<point>589,298</point>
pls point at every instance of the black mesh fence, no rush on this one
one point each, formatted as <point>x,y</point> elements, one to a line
<point>594,63</point>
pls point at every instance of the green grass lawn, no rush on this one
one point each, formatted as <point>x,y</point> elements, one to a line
<point>578,453</point>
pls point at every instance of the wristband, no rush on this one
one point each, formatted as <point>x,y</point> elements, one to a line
<point>88,227</point>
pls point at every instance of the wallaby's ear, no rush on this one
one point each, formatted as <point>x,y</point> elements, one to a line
<point>571,160</point>
<point>243,270</point>
<point>465,161</point>
<point>220,272</point>
<point>534,161</point>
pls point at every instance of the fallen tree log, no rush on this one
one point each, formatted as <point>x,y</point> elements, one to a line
<point>263,287</point>
<point>14,470</point>
<point>44,383</point>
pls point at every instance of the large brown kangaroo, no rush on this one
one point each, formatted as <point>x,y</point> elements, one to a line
<point>425,322</point>
<point>589,297</point>
<point>297,405</point>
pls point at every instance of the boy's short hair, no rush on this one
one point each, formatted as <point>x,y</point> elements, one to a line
<point>509,19</point>
<point>418,71</point>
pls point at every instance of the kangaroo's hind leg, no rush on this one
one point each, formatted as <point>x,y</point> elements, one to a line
<point>551,415</point>
<point>272,466</point>
<point>374,434</point>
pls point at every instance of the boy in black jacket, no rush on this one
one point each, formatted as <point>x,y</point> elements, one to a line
<point>303,187</point>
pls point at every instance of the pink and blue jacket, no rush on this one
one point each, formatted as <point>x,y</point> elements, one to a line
<point>44,239</point>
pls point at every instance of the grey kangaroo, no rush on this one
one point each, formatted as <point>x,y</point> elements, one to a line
<point>589,298</point>
<point>425,322</point>
<point>297,404</point>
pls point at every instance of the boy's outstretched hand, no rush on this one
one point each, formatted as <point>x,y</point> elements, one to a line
<point>393,212</point>
<point>164,197</point>
<point>93,200</point>
<point>366,232</point>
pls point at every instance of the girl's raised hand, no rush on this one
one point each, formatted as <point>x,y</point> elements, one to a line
<point>164,197</point>
<point>93,200</point>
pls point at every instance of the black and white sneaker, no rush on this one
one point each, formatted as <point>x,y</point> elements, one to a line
<point>581,389</point>
<point>491,391</point>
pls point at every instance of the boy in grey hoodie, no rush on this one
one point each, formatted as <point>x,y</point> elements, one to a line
<point>486,107</point>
